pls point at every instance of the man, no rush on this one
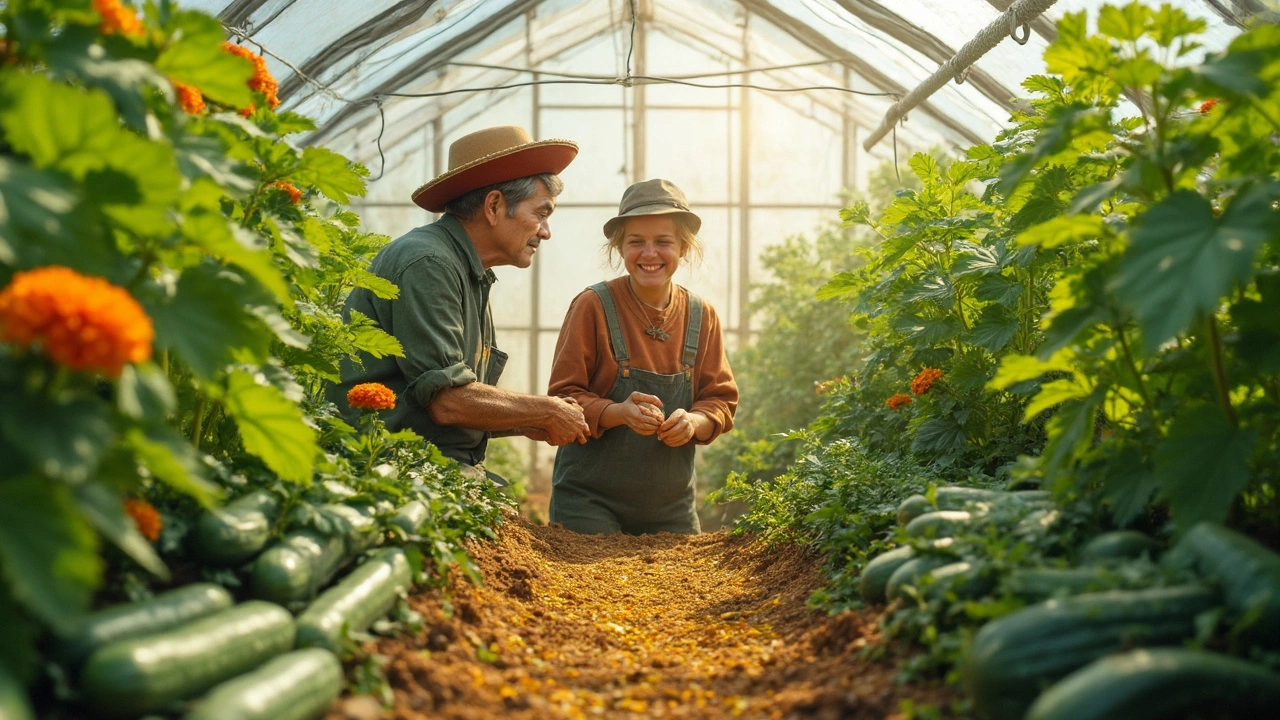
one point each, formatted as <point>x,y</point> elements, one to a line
<point>497,198</point>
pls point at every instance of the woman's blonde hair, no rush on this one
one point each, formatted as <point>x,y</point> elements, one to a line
<point>690,244</point>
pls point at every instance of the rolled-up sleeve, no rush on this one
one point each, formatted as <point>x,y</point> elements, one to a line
<point>583,338</point>
<point>717,391</point>
<point>429,323</point>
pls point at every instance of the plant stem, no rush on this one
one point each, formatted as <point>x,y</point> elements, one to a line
<point>1220,372</point>
<point>197,429</point>
<point>1137,375</point>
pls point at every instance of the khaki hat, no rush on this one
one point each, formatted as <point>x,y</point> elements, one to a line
<point>652,197</point>
<point>490,156</point>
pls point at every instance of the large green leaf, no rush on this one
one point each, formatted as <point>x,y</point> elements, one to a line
<point>271,427</point>
<point>48,553</point>
<point>940,436</point>
<point>144,393</point>
<point>994,329</point>
<point>19,657</point>
<point>236,246</point>
<point>173,461</point>
<point>75,55</point>
<point>1070,432</point>
<point>104,509</point>
<point>330,173</point>
<point>1055,393</point>
<point>1063,230</point>
<point>368,337</point>
<point>41,222</point>
<point>1128,483</point>
<point>204,321</point>
<point>379,286</point>
<point>64,439</point>
<point>1124,23</point>
<point>1016,369</point>
<point>196,58</point>
<point>1182,260</point>
<point>1203,464</point>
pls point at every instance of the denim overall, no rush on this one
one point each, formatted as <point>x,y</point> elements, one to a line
<point>623,481</point>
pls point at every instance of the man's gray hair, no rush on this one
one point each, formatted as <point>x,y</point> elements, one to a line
<point>513,191</point>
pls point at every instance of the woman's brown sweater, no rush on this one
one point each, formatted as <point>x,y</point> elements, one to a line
<point>584,367</point>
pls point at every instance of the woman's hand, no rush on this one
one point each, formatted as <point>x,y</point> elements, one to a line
<point>640,412</point>
<point>681,427</point>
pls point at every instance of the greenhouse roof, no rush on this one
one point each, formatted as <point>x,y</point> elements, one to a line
<point>339,62</point>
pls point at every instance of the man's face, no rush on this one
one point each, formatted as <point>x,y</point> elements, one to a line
<point>520,235</point>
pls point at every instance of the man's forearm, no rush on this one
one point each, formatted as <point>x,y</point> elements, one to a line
<point>485,407</point>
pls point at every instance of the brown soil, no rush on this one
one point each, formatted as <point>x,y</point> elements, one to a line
<point>575,626</point>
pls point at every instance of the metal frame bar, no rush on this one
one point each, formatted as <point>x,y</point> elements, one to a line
<point>1024,11</point>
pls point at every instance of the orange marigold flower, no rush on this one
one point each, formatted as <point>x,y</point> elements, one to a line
<point>898,400</point>
<point>261,81</point>
<point>118,19</point>
<point>190,98</point>
<point>82,323</point>
<point>921,383</point>
<point>145,516</point>
<point>295,195</point>
<point>1207,105</point>
<point>371,396</point>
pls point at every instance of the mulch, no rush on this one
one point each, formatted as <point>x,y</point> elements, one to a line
<point>670,626</point>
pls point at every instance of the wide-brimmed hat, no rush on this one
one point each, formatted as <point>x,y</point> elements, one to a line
<point>652,197</point>
<point>493,155</point>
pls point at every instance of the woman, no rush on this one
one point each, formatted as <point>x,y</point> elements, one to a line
<point>645,359</point>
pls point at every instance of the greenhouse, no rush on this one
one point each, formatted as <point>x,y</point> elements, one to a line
<point>640,358</point>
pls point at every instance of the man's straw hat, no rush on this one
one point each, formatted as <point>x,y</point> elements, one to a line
<point>493,155</point>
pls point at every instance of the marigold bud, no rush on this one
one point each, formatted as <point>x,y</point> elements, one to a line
<point>117,19</point>
<point>82,323</point>
<point>146,517</point>
<point>371,396</point>
<point>921,383</point>
<point>898,400</point>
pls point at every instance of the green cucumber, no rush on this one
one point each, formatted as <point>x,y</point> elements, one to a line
<point>13,699</point>
<point>236,532</point>
<point>955,497</point>
<point>1118,545</point>
<point>875,576</point>
<point>1248,573</point>
<point>913,507</point>
<point>411,517</point>
<point>1159,684</point>
<point>135,677</point>
<point>365,595</point>
<point>943,523</point>
<point>1045,582</point>
<point>294,569</point>
<point>162,612</point>
<point>910,572</point>
<point>300,685</point>
<point>1012,659</point>
<point>960,579</point>
<point>358,525</point>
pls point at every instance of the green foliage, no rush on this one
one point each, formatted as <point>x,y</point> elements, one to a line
<point>191,216</point>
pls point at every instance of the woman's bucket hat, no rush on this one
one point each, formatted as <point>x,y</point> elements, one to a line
<point>652,197</point>
<point>490,156</point>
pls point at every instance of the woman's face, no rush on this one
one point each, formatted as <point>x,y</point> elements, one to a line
<point>651,250</point>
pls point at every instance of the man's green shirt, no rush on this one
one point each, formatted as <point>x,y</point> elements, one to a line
<point>442,321</point>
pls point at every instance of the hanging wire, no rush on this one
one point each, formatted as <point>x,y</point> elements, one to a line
<point>632,47</point>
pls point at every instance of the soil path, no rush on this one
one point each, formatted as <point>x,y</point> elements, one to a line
<point>573,626</point>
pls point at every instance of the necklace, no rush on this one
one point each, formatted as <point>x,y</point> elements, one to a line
<point>653,329</point>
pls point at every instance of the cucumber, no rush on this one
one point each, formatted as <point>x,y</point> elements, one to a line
<point>943,523</point>
<point>162,612</point>
<point>365,595</point>
<point>134,677</point>
<point>13,699</point>
<point>1012,659</point>
<point>411,517</point>
<point>959,578</point>
<point>294,569</point>
<point>1163,683</point>
<point>910,572</point>
<point>300,685</point>
<point>358,525</point>
<point>1118,545</point>
<point>1248,573</point>
<point>1045,582</point>
<point>913,507</point>
<point>875,576</point>
<point>236,532</point>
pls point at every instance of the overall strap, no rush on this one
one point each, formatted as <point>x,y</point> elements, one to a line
<point>615,329</point>
<point>691,335</point>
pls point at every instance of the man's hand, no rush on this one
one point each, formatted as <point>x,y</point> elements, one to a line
<point>681,427</point>
<point>565,423</point>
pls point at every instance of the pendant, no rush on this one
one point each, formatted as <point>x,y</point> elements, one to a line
<point>656,333</point>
